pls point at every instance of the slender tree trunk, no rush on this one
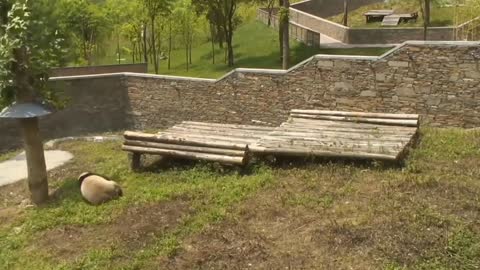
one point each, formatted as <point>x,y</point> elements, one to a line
<point>212,35</point>
<point>286,37</point>
<point>169,43</point>
<point>118,48</point>
<point>280,31</point>
<point>426,22</point>
<point>186,56</point>
<point>145,55</point>
<point>153,46</point>
<point>134,52</point>
<point>220,36</point>
<point>345,12</point>
<point>190,47</point>
<point>270,12</point>
<point>37,171</point>
<point>231,59</point>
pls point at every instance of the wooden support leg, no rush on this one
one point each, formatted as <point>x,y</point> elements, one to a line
<point>136,161</point>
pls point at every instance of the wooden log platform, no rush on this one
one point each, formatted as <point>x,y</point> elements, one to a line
<point>355,135</point>
<point>223,143</point>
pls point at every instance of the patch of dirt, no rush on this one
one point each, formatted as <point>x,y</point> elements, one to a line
<point>136,228</point>
<point>264,233</point>
<point>9,215</point>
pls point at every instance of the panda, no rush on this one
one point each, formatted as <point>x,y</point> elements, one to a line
<point>97,189</point>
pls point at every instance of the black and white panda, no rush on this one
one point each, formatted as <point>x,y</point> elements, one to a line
<point>97,189</point>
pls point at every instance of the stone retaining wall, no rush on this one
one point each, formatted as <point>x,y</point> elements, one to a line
<point>308,21</point>
<point>76,71</point>
<point>439,80</point>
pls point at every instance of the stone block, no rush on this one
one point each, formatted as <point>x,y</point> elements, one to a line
<point>434,101</point>
<point>468,66</point>
<point>405,92</point>
<point>380,77</point>
<point>473,74</point>
<point>368,93</point>
<point>324,64</point>
<point>398,63</point>
<point>342,64</point>
<point>343,86</point>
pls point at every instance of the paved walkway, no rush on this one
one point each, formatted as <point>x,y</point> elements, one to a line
<point>14,170</point>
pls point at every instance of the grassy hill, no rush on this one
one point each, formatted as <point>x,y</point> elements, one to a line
<point>305,215</point>
<point>255,46</point>
<point>440,16</point>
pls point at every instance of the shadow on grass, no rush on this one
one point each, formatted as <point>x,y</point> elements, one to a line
<point>68,190</point>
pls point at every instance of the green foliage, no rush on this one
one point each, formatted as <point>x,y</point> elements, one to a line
<point>26,26</point>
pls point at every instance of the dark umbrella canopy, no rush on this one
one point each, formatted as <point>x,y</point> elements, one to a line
<point>24,110</point>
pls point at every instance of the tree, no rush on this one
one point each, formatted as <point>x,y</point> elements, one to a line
<point>153,9</point>
<point>222,13</point>
<point>345,12</point>
<point>425,10</point>
<point>118,11</point>
<point>29,46</point>
<point>285,36</point>
<point>86,22</point>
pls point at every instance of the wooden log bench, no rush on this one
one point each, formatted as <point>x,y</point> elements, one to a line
<point>222,143</point>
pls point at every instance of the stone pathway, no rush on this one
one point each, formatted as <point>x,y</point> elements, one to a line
<point>15,169</point>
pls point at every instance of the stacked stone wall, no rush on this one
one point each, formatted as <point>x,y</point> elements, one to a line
<point>440,81</point>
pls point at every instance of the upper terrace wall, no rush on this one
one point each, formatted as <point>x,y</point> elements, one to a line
<point>440,81</point>
<point>328,8</point>
<point>76,71</point>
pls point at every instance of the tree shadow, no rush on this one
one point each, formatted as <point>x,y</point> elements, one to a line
<point>69,190</point>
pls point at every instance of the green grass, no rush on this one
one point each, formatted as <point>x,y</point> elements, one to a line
<point>255,46</point>
<point>422,216</point>
<point>440,16</point>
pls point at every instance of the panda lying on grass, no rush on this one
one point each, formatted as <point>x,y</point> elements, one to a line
<point>97,189</point>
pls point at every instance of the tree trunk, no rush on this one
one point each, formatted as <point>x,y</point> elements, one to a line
<point>427,12</point>
<point>118,48</point>
<point>280,31</point>
<point>186,53</point>
<point>153,45</point>
<point>212,34</point>
<point>145,55</point>
<point>190,47</point>
<point>169,42</point>
<point>134,51</point>
<point>286,37</point>
<point>345,12</point>
<point>220,36</point>
<point>37,171</point>
<point>231,59</point>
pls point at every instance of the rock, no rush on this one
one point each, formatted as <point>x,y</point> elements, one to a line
<point>398,63</point>
<point>405,92</point>
<point>368,93</point>
<point>324,64</point>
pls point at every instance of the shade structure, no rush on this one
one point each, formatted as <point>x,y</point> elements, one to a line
<point>24,110</point>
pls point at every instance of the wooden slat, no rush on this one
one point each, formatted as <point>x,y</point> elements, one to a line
<point>399,122</point>
<point>358,114</point>
<point>186,155</point>
<point>229,125</point>
<point>183,141</point>
<point>333,134</point>
<point>346,154</point>
<point>207,150</point>
<point>191,136</point>
<point>330,123</point>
